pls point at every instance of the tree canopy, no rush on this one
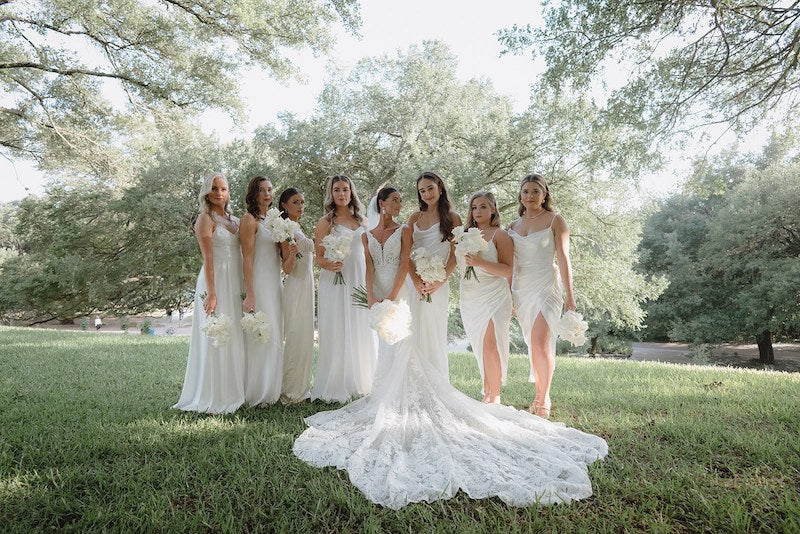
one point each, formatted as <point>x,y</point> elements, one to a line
<point>685,63</point>
<point>72,72</point>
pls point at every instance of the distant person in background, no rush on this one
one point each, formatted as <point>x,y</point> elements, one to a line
<point>97,322</point>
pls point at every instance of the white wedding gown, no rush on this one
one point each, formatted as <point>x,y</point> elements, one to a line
<point>535,284</point>
<point>215,376</point>
<point>486,297</point>
<point>264,361</point>
<point>416,438</point>
<point>347,347</point>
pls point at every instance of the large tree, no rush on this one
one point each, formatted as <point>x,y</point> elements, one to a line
<point>682,62</point>
<point>60,60</point>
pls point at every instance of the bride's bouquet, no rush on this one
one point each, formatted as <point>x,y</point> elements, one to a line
<point>571,327</point>
<point>217,328</point>
<point>256,323</point>
<point>469,242</point>
<point>337,248</point>
<point>391,320</point>
<point>280,228</point>
<point>429,268</point>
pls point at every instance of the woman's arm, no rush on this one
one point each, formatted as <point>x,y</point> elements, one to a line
<point>561,232</point>
<point>247,237</point>
<point>203,230</point>
<point>451,258</point>
<point>288,255</point>
<point>419,285</point>
<point>405,258</point>
<point>370,277</point>
<point>505,256</point>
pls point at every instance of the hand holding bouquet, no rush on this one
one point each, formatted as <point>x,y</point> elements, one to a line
<point>469,242</point>
<point>429,268</point>
<point>337,248</point>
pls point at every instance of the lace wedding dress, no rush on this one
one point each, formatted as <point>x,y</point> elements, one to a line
<point>416,438</point>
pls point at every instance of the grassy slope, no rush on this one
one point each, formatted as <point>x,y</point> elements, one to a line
<point>88,442</point>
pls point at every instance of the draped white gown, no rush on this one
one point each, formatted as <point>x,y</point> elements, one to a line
<point>214,379</point>
<point>487,298</point>
<point>431,317</point>
<point>347,345</point>
<point>298,324</point>
<point>535,284</point>
<point>264,361</point>
<point>416,438</point>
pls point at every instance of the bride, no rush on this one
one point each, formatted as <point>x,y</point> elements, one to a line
<point>416,438</point>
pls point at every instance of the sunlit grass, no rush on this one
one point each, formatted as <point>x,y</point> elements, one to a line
<point>89,443</point>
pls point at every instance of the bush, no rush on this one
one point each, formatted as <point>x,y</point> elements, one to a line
<point>124,323</point>
<point>85,323</point>
<point>146,327</point>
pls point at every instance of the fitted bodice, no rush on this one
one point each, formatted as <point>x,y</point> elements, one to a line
<point>490,254</point>
<point>386,260</point>
<point>224,244</point>
<point>266,252</point>
<point>536,250</point>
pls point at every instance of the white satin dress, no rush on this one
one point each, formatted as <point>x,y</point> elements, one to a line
<point>264,361</point>
<point>416,438</point>
<point>347,344</point>
<point>215,376</point>
<point>298,324</point>
<point>483,299</point>
<point>431,317</point>
<point>536,284</point>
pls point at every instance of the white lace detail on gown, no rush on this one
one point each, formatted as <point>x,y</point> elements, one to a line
<point>416,438</point>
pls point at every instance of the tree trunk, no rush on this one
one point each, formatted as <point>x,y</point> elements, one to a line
<point>593,347</point>
<point>765,352</point>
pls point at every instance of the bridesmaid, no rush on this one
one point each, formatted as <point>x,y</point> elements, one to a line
<point>214,380</point>
<point>347,347</point>
<point>262,287</point>
<point>486,298</point>
<point>432,228</point>
<point>298,304</point>
<point>540,236</point>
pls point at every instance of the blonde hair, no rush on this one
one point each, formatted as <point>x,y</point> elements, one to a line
<point>329,206</point>
<point>537,179</point>
<point>208,183</point>
<point>494,221</point>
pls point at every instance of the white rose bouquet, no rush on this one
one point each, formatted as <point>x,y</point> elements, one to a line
<point>469,242</point>
<point>217,329</point>
<point>571,327</point>
<point>256,323</point>
<point>429,268</point>
<point>391,320</point>
<point>337,248</point>
<point>280,228</point>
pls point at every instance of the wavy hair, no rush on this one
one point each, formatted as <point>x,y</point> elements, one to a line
<point>250,198</point>
<point>284,198</point>
<point>443,206</point>
<point>494,221</point>
<point>537,179</point>
<point>329,206</point>
<point>202,197</point>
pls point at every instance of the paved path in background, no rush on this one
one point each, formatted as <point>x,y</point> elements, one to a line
<point>662,352</point>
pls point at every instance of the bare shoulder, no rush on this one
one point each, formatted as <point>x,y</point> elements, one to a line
<point>413,219</point>
<point>560,224</point>
<point>204,224</point>
<point>456,218</point>
<point>323,224</point>
<point>513,223</point>
<point>248,223</point>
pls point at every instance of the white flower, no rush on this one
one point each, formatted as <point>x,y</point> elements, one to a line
<point>429,268</point>
<point>392,320</point>
<point>571,327</point>
<point>256,323</point>
<point>217,329</point>
<point>470,242</point>
<point>337,248</point>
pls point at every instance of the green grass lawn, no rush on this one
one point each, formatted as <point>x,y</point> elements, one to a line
<point>89,443</point>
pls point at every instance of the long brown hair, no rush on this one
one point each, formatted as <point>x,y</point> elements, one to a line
<point>329,207</point>
<point>442,206</point>
<point>284,198</point>
<point>250,198</point>
<point>538,179</point>
<point>494,221</point>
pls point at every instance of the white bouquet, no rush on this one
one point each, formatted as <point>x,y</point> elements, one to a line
<point>337,248</point>
<point>217,329</point>
<point>392,320</point>
<point>256,323</point>
<point>429,268</point>
<point>469,242</point>
<point>280,228</point>
<point>571,327</point>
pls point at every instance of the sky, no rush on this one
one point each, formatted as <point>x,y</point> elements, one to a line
<point>467,27</point>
